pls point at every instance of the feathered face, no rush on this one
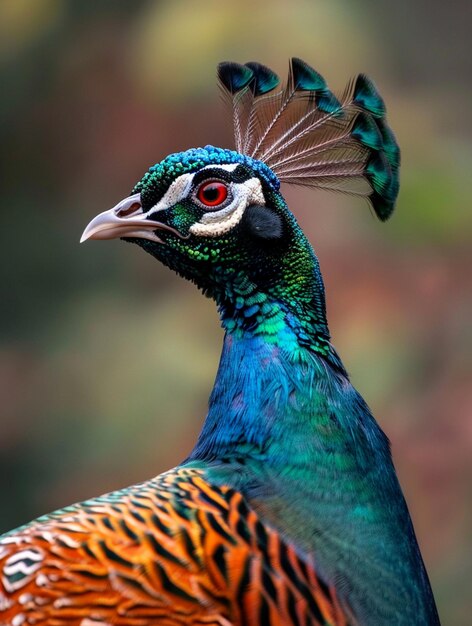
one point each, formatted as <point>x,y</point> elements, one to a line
<point>207,213</point>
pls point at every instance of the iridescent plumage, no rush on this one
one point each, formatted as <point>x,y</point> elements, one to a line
<point>288,510</point>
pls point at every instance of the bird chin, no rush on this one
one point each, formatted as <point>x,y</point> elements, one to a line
<point>154,248</point>
<point>143,243</point>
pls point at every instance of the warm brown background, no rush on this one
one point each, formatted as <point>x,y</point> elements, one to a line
<point>107,358</point>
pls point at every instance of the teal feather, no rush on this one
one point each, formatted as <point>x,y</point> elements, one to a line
<point>381,204</point>
<point>379,172</point>
<point>265,80</point>
<point>390,145</point>
<point>234,76</point>
<point>382,170</point>
<point>304,77</point>
<point>366,131</point>
<point>327,102</point>
<point>367,97</point>
<point>384,183</point>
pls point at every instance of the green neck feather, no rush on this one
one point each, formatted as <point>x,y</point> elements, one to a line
<point>277,292</point>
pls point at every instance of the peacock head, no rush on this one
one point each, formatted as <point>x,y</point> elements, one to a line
<point>217,216</point>
<point>210,214</point>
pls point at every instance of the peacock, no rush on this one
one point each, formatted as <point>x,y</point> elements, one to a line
<point>288,510</point>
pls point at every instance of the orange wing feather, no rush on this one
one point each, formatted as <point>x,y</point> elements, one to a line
<point>172,551</point>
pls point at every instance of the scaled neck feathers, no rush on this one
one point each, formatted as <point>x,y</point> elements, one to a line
<point>280,402</point>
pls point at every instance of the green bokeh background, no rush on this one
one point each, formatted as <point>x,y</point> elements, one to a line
<point>107,358</point>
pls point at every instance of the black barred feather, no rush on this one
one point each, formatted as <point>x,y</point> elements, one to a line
<point>309,136</point>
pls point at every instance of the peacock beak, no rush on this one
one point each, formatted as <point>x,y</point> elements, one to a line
<point>126,219</point>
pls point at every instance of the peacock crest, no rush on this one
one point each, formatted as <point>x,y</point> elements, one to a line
<point>309,136</point>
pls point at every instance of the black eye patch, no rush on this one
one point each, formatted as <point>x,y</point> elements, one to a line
<point>262,222</point>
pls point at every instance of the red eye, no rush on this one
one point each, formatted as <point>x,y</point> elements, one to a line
<point>212,193</point>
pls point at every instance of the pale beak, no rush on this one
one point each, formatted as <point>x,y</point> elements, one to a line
<point>126,219</point>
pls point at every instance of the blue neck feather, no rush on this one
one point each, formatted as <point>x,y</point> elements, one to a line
<point>273,395</point>
<point>287,429</point>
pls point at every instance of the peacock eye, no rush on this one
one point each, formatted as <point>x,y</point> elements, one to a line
<point>212,193</point>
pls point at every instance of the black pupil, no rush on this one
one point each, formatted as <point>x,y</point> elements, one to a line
<point>211,193</point>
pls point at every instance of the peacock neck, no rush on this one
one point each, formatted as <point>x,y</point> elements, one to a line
<point>286,428</point>
<point>276,400</point>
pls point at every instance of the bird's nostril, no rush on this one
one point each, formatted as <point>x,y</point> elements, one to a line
<point>128,211</point>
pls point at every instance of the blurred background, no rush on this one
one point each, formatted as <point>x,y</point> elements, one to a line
<point>107,358</point>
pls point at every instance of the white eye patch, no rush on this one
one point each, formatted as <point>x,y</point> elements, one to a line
<point>181,186</point>
<point>177,191</point>
<point>216,223</point>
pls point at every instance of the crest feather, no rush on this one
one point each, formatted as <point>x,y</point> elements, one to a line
<point>309,136</point>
